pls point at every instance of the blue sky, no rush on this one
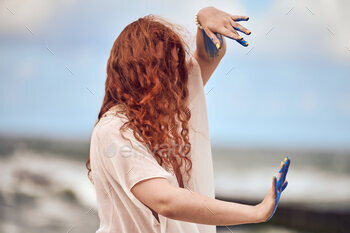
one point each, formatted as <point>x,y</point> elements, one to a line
<point>289,87</point>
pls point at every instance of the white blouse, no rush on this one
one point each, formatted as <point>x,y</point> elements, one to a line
<point>118,165</point>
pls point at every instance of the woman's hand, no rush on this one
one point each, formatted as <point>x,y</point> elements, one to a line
<point>216,22</point>
<point>268,206</point>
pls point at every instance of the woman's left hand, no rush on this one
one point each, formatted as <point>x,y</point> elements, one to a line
<point>216,22</point>
<point>267,208</point>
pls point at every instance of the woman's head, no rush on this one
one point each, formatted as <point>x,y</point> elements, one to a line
<point>147,78</point>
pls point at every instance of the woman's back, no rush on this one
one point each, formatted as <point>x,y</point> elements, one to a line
<point>117,165</point>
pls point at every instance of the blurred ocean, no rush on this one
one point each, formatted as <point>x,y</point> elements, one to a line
<point>44,187</point>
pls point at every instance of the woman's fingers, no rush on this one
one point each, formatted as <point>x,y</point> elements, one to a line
<point>242,41</point>
<point>286,163</point>
<point>240,28</point>
<point>282,174</point>
<point>229,26</point>
<point>213,37</point>
<point>231,33</point>
<point>238,18</point>
<point>284,186</point>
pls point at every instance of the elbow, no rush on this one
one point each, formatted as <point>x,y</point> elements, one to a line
<point>168,207</point>
<point>167,211</point>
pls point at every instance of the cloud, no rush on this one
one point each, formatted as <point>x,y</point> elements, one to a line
<point>16,15</point>
<point>307,28</point>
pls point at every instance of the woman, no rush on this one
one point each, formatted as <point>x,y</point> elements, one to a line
<point>150,151</point>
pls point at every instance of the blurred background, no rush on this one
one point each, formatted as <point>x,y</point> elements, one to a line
<point>286,94</point>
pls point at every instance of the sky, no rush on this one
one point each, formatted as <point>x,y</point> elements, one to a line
<point>289,88</point>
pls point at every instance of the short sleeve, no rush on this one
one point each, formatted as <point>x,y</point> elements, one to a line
<point>128,162</point>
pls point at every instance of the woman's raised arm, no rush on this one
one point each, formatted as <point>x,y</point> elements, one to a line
<point>210,41</point>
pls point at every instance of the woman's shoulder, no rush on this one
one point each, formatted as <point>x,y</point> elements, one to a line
<point>109,124</point>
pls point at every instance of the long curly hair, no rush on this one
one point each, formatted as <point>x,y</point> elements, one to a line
<point>147,77</point>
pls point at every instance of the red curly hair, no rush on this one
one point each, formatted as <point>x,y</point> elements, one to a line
<point>147,77</point>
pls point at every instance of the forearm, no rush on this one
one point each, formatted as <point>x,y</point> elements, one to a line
<point>193,207</point>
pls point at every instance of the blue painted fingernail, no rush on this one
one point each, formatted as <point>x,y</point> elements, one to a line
<point>247,32</point>
<point>244,18</point>
<point>243,42</point>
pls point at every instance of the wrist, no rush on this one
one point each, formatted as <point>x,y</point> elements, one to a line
<point>200,17</point>
<point>198,24</point>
